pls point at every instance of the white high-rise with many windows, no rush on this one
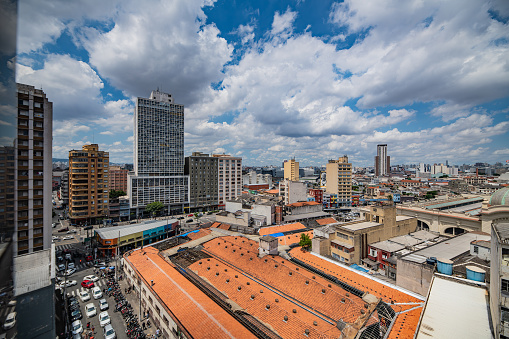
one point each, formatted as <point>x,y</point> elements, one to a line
<point>230,178</point>
<point>158,154</point>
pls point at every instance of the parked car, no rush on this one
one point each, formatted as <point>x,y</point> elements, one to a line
<point>70,271</point>
<point>104,319</point>
<point>76,327</point>
<point>61,267</point>
<point>87,284</point>
<point>68,237</point>
<point>76,314</point>
<point>189,220</point>
<point>89,258</point>
<point>71,265</point>
<point>84,296</point>
<point>100,264</point>
<point>91,278</point>
<point>96,292</point>
<point>65,229</point>
<point>90,310</point>
<point>103,305</point>
<point>72,302</point>
<point>190,215</point>
<point>68,283</point>
<point>109,332</point>
<point>10,321</point>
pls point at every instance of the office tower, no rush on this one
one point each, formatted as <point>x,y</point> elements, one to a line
<point>158,155</point>
<point>203,181</point>
<point>382,161</point>
<point>230,177</point>
<point>64,188</point>
<point>33,174</point>
<point>118,178</point>
<point>339,180</point>
<point>291,168</point>
<point>88,184</point>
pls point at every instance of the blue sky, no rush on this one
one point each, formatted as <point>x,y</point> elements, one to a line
<point>270,80</point>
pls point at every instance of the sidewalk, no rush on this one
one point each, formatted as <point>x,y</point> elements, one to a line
<point>133,299</point>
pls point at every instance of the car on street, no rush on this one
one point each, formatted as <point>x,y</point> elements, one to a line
<point>87,284</point>
<point>91,278</point>
<point>100,264</point>
<point>65,229</point>
<point>76,314</point>
<point>189,220</point>
<point>70,271</point>
<point>70,265</point>
<point>89,258</point>
<point>10,321</point>
<point>76,327</point>
<point>68,283</point>
<point>68,256</point>
<point>84,296</point>
<point>96,292</point>
<point>61,267</point>
<point>71,231</point>
<point>103,305</point>
<point>68,237</point>
<point>54,225</point>
<point>190,215</point>
<point>88,227</point>
<point>109,332</point>
<point>104,319</point>
<point>90,310</point>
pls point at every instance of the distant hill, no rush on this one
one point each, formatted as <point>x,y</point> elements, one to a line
<point>60,160</point>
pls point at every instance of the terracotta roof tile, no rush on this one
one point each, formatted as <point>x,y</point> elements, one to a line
<point>326,221</point>
<point>199,315</point>
<point>201,233</point>
<point>224,227</point>
<point>293,238</point>
<point>281,229</point>
<point>216,224</point>
<point>303,203</point>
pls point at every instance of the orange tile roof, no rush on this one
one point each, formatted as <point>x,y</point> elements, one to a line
<point>303,286</point>
<point>293,238</point>
<point>326,221</point>
<point>197,313</point>
<point>201,233</point>
<point>254,297</point>
<point>281,228</point>
<point>224,226</point>
<point>303,203</point>
<point>405,325</point>
<point>216,224</point>
<point>276,191</point>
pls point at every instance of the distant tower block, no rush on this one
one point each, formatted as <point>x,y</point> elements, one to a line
<point>268,245</point>
<point>382,161</point>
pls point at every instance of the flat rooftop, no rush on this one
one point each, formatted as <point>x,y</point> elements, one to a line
<point>125,230</point>
<point>360,225</point>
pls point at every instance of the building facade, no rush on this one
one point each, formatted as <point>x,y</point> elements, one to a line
<point>88,184</point>
<point>118,178</point>
<point>382,161</point>
<point>339,180</point>
<point>230,177</point>
<point>202,170</point>
<point>32,171</point>
<point>291,168</point>
<point>158,154</point>
<point>292,191</point>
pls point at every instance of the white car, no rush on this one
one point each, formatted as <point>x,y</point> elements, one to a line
<point>76,327</point>
<point>68,283</point>
<point>90,310</point>
<point>70,271</point>
<point>10,321</point>
<point>71,265</point>
<point>68,237</point>
<point>61,267</point>
<point>84,296</point>
<point>96,292</point>
<point>91,277</point>
<point>103,305</point>
<point>104,319</point>
<point>109,332</point>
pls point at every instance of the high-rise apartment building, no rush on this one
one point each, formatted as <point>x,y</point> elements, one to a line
<point>382,161</point>
<point>203,181</point>
<point>291,168</point>
<point>32,171</point>
<point>158,154</point>
<point>118,178</point>
<point>230,177</point>
<point>88,184</point>
<point>339,180</point>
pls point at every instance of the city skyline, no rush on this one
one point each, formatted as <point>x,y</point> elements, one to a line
<point>289,79</point>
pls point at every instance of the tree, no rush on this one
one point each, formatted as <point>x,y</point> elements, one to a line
<point>154,207</point>
<point>115,194</point>
<point>305,241</point>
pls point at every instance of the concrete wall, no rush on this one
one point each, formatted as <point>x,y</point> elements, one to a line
<point>414,276</point>
<point>321,246</point>
<point>267,211</point>
<point>482,252</point>
<point>231,218</point>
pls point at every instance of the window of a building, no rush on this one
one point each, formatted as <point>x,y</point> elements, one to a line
<point>505,286</point>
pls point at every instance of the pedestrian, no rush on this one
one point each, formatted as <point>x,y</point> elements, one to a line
<point>157,333</point>
<point>93,329</point>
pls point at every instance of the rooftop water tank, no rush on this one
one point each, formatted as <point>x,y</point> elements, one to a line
<point>444,266</point>
<point>475,273</point>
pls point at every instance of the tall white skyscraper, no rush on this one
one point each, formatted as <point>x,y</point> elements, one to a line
<point>158,154</point>
<point>382,161</point>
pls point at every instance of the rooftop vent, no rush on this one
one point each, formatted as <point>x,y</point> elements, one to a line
<point>343,300</point>
<point>290,274</point>
<point>363,312</point>
<point>330,285</point>
<point>275,266</point>
<point>285,319</point>
<point>306,332</point>
<point>252,296</point>
<point>217,265</point>
<point>239,288</point>
<point>233,250</point>
<point>217,273</point>
<point>208,259</point>
<point>307,282</point>
<point>199,263</point>
<point>323,290</point>
<point>227,281</point>
<point>294,310</point>
<point>313,277</point>
<point>265,260</point>
<point>315,323</point>
<point>242,254</point>
<point>267,307</point>
<point>248,283</point>
<point>347,294</point>
<point>277,300</point>
<point>250,258</point>
<point>236,276</point>
<point>261,291</point>
<point>226,270</point>
<point>208,268</point>
<point>366,305</point>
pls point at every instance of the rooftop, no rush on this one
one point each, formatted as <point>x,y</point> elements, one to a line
<point>125,230</point>
<point>326,221</point>
<point>387,246</point>
<point>303,203</point>
<point>197,313</point>
<point>455,310</point>
<point>302,216</point>
<point>281,228</point>
<point>359,225</point>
